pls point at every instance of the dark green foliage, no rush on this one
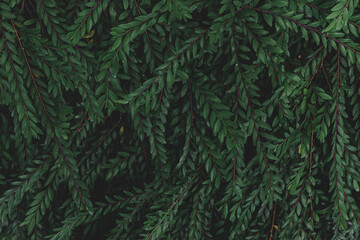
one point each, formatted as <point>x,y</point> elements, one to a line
<point>179,119</point>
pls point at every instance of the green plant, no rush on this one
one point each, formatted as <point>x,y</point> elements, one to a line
<point>179,119</point>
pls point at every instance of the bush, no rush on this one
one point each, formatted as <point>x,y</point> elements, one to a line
<point>179,119</point>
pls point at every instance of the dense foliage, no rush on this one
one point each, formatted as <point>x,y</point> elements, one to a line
<point>179,119</point>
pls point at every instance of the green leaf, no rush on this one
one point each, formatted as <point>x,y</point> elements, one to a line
<point>330,26</point>
<point>213,174</point>
<point>333,15</point>
<point>206,110</point>
<point>170,79</point>
<point>268,19</point>
<point>356,185</point>
<point>223,9</point>
<point>324,96</point>
<point>217,126</point>
<point>122,101</point>
<point>339,6</point>
<point>217,182</point>
<point>339,23</point>
<point>126,4</point>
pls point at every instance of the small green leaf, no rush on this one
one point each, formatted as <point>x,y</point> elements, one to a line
<point>206,110</point>
<point>332,15</point>
<point>170,78</point>
<point>217,126</point>
<point>356,185</point>
<point>339,6</point>
<point>213,174</point>
<point>208,165</point>
<point>324,96</point>
<point>330,26</point>
<point>268,19</point>
<point>303,106</point>
<point>339,23</point>
<point>351,56</point>
<point>126,4</point>
<point>122,101</point>
<point>217,182</point>
<point>223,9</point>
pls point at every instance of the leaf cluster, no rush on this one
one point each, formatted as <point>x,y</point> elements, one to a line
<point>179,119</point>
